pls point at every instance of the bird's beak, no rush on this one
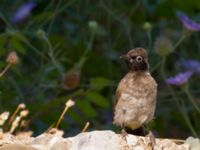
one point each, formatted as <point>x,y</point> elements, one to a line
<point>125,57</point>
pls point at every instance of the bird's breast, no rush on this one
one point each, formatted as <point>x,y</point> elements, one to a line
<point>136,101</point>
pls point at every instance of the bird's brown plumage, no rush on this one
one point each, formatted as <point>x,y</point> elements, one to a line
<point>136,92</point>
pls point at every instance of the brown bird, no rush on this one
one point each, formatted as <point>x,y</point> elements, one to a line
<point>136,92</point>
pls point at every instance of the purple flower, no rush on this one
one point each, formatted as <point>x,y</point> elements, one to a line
<point>188,23</point>
<point>191,65</point>
<point>180,78</point>
<point>23,12</point>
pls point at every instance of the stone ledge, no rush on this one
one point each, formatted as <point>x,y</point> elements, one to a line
<point>95,140</point>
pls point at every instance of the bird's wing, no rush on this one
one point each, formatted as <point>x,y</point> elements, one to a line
<point>117,95</point>
<point>119,90</point>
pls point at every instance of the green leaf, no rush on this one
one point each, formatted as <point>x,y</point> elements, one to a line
<point>75,116</point>
<point>2,45</point>
<point>17,41</point>
<point>98,83</point>
<point>97,98</point>
<point>42,17</point>
<point>86,108</point>
<point>2,65</point>
<point>17,45</point>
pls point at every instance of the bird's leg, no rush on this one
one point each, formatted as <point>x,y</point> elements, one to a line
<point>124,133</point>
<point>123,140</point>
<point>151,137</point>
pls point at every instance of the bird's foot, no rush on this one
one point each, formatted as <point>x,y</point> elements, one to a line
<point>152,139</point>
<point>143,143</point>
<point>123,141</point>
<point>124,134</point>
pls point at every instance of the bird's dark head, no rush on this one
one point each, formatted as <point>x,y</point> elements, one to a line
<point>136,59</point>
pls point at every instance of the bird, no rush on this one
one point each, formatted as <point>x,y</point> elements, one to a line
<point>136,93</point>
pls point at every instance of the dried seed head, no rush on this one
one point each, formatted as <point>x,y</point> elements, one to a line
<point>12,58</point>
<point>70,103</point>
<point>22,106</point>
<point>71,80</point>
<point>19,107</point>
<point>24,113</point>
<point>3,117</point>
<point>163,46</point>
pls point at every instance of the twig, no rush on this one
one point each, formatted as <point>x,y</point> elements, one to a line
<point>86,127</point>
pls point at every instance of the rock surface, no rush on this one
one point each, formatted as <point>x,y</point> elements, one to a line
<point>95,140</point>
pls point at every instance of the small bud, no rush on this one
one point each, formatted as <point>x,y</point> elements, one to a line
<point>70,103</point>
<point>24,113</point>
<point>93,25</point>
<point>22,106</point>
<point>147,26</point>
<point>3,117</point>
<point>40,33</point>
<point>12,58</point>
<point>163,46</point>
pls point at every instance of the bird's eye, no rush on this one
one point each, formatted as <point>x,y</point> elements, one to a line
<point>139,59</point>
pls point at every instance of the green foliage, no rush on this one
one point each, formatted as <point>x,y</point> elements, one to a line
<point>97,99</point>
<point>86,108</point>
<point>99,83</point>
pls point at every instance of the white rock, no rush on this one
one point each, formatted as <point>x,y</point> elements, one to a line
<point>108,140</point>
<point>95,140</point>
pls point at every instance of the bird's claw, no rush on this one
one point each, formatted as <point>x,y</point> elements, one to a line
<point>152,139</point>
<point>124,134</point>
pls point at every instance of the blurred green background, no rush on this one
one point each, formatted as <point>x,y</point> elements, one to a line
<point>71,48</point>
